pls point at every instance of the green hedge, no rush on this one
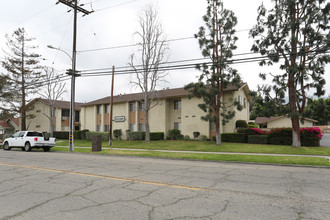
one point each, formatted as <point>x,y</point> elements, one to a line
<point>258,139</point>
<point>61,135</point>
<point>310,141</point>
<point>280,140</point>
<point>105,135</point>
<point>77,135</point>
<point>83,134</point>
<point>137,135</point>
<point>155,136</point>
<point>233,137</point>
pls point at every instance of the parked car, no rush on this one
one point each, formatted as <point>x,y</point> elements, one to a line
<point>26,140</point>
<point>1,142</point>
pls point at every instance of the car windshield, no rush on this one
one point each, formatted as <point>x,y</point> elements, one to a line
<point>34,134</point>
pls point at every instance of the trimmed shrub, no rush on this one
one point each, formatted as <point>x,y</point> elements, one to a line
<point>83,134</point>
<point>214,138</point>
<point>137,135</point>
<point>280,136</point>
<point>250,131</point>
<point>310,141</point>
<point>233,137</point>
<point>258,139</point>
<point>174,134</point>
<point>104,135</point>
<point>203,137</point>
<point>61,135</point>
<point>155,136</point>
<point>186,138</point>
<point>117,133</point>
<point>241,124</point>
<point>196,134</point>
<point>77,135</point>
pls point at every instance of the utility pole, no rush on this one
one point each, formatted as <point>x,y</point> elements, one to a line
<point>111,105</point>
<point>73,4</point>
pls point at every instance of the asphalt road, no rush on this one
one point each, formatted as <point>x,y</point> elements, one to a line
<point>325,141</point>
<point>39,185</point>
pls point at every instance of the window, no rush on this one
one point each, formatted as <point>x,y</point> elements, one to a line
<point>244,103</point>
<point>141,105</point>
<point>106,127</point>
<point>239,99</point>
<point>106,109</point>
<point>65,112</point>
<point>38,111</point>
<point>16,135</point>
<point>21,134</point>
<point>98,127</point>
<point>38,126</point>
<point>141,127</point>
<point>132,106</point>
<point>34,134</point>
<point>177,125</point>
<point>177,104</point>
<point>77,116</point>
<point>98,109</point>
<point>131,127</point>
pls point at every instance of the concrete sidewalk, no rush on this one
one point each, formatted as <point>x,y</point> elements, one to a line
<point>222,153</point>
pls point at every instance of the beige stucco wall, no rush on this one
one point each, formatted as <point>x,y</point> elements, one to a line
<point>286,123</point>
<point>40,119</point>
<point>88,118</point>
<point>191,118</point>
<point>120,109</point>
<point>158,116</point>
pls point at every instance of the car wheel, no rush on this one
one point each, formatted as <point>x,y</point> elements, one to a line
<point>22,148</point>
<point>27,146</point>
<point>6,146</point>
<point>46,149</point>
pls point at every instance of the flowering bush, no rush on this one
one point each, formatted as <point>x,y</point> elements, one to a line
<point>311,132</point>
<point>258,131</point>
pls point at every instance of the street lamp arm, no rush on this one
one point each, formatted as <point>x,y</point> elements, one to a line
<point>59,49</point>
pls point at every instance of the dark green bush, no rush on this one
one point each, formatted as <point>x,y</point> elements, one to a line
<point>174,134</point>
<point>196,134</point>
<point>155,136</point>
<point>310,141</point>
<point>77,135</point>
<point>280,140</point>
<point>137,135</point>
<point>257,139</point>
<point>247,131</point>
<point>186,138</point>
<point>214,138</point>
<point>233,137</point>
<point>61,135</point>
<point>105,135</point>
<point>117,133</point>
<point>83,134</point>
<point>203,137</point>
<point>241,124</point>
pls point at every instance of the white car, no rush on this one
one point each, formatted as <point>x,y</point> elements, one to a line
<point>26,140</point>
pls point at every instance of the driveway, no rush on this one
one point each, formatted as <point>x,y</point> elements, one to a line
<point>325,141</point>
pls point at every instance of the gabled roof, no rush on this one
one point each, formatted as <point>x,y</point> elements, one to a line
<point>9,123</point>
<point>58,104</point>
<point>165,93</point>
<point>265,120</point>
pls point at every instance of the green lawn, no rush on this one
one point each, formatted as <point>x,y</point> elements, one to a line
<point>213,157</point>
<point>207,146</point>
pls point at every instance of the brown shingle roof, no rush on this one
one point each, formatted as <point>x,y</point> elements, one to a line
<point>166,93</point>
<point>60,104</point>
<point>5,122</point>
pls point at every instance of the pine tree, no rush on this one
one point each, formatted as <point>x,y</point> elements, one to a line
<point>295,33</point>
<point>23,72</point>
<point>217,42</point>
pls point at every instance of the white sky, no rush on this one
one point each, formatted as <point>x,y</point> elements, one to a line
<point>114,25</point>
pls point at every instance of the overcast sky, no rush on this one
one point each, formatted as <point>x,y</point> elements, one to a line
<point>113,24</point>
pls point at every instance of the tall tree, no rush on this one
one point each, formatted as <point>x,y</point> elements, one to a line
<point>54,89</point>
<point>297,33</point>
<point>318,109</point>
<point>217,42</point>
<point>152,51</point>
<point>23,70</point>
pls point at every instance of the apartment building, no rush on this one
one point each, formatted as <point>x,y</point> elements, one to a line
<point>172,109</point>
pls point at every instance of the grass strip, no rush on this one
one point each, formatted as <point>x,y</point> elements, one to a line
<point>206,146</point>
<point>296,160</point>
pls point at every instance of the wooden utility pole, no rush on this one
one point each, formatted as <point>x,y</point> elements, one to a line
<point>73,4</point>
<point>111,105</point>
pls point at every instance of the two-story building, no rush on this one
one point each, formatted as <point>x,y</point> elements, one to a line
<point>172,109</point>
<point>38,115</point>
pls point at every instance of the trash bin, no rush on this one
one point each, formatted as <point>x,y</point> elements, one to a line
<point>97,143</point>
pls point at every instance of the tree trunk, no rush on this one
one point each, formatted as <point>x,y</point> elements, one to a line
<point>217,127</point>
<point>146,125</point>
<point>51,121</point>
<point>295,115</point>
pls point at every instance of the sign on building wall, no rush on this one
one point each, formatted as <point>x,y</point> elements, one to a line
<point>120,119</point>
